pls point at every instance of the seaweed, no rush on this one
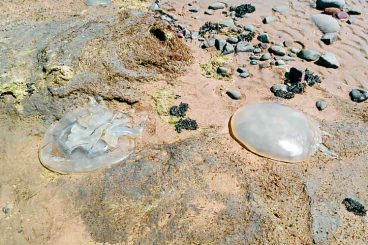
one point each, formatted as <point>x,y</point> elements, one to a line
<point>284,94</point>
<point>179,111</point>
<point>247,37</point>
<point>187,124</point>
<point>243,9</point>
<point>311,78</point>
<point>354,207</point>
<point>209,27</point>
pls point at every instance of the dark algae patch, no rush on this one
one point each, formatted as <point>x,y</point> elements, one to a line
<point>243,9</point>
<point>179,111</point>
<point>354,207</point>
<point>183,123</point>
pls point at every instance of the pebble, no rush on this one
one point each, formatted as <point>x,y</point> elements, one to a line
<point>354,11</point>
<point>244,74</point>
<point>321,105</point>
<point>268,20</point>
<point>257,50</point>
<point>255,57</point>
<point>263,45</point>
<point>195,35</point>
<point>279,62</point>
<point>222,70</point>
<point>322,4</point>
<point>194,9</point>
<point>277,87</point>
<point>292,55</point>
<point>266,56</point>
<point>172,16</point>
<point>342,15</point>
<point>281,8</point>
<point>232,40</point>
<point>309,55</point>
<point>288,58</point>
<point>8,208</point>
<point>329,38</point>
<point>241,70</point>
<point>228,49</point>
<point>359,95</point>
<point>249,28</point>
<point>264,38</point>
<point>220,44</point>
<point>331,11</point>
<point>329,60</point>
<point>278,50</point>
<point>326,23</point>
<point>209,12</point>
<point>244,46</point>
<point>351,20</point>
<point>227,22</point>
<point>234,94</point>
<point>217,5</point>
<point>154,7</point>
<point>295,50</point>
<point>209,43</point>
<point>254,62</point>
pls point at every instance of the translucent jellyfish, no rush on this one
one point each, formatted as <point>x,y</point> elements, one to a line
<point>87,139</point>
<point>277,131</point>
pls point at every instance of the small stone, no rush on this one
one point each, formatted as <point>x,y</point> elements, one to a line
<point>195,35</point>
<point>309,55</point>
<point>288,58</point>
<point>287,43</point>
<point>326,23</point>
<point>249,28</point>
<point>281,8</point>
<point>234,94</point>
<point>266,56</point>
<point>255,57</point>
<point>281,91</point>
<point>264,65</point>
<point>292,55</point>
<point>329,38</point>
<point>321,105</point>
<point>172,16</point>
<point>222,70</point>
<point>342,15</point>
<point>228,49</point>
<point>277,50</point>
<point>354,11</point>
<point>359,95</point>
<point>217,5</point>
<point>220,44</point>
<point>257,50</point>
<point>279,62</point>
<point>208,43</point>
<point>329,60</point>
<point>209,12</point>
<point>227,22</point>
<point>232,40</point>
<point>295,50</point>
<point>154,7</point>
<point>244,74</point>
<point>322,4</point>
<point>268,20</point>
<point>241,70</point>
<point>244,47</point>
<point>277,87</point>
<point>351,20</point>
<point>331,11</point>
<point>264,38</point>
<point>194,9</point>
<point>254,62</point>
<point>8,208</point>
<point>263,45</point>
<point>295,75</point>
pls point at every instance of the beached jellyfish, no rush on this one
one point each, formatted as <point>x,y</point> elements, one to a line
<point>277,131</point>
<point>87,139</point>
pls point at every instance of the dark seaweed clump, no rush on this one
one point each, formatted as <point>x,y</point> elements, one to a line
<point>209,27</point>
<point>311,78</point>
<point>354,207</point>
<point>243,9</point>
<point>247,37</point>
<point>179,111</point>
<point>187,124</point>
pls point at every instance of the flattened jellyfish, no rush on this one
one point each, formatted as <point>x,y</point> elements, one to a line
<point>277,131</point>
<point>87,139</point>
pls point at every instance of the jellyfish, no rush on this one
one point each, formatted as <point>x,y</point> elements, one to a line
<point>277,131</point>
<point>88,138</point>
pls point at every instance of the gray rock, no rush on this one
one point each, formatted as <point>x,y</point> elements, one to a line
<point>295,50</point>
<point>281,8</point>
<point>234,94</point>
<point>329,60</point>
<point>268,20</point>
<point>228,49</point>
<point>209,12</point>
<point>217,5</point>
<point>257,50</point>
<point>194,9</point>
<point>266,56</point>
<point>255,57</point>
<point>288,58</point>
<point>220,44</point>
<point>249,28</point>
<point>244,46</point>
<point>292,55</point>
<point>279,62</point>
<point>354,11</point>
<point>244,74</point>
<point>98,2</point>
<point>154,7</point>
<point>359,95</point>
<point>309,55</point>
<point>222,70</point>
<point>264,38</point>
<point>326,23</point>
<point>172,16</point>
<point>227,22</point>
<point>232,40</point>
<point>278,87</point>
<point>241,70</point>
<point>321,105</point>
<point>351,20</point>
<point>254,62</point>
<point>322,4</point>
<point>208,43</point>
<point>278,50</point>
<point>195,35</point>
<point>329,38</point>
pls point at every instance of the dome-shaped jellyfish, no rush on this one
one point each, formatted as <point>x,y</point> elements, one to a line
<point>276,131</point>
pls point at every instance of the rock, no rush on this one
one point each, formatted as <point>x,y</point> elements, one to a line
<point>172,16</point>
<point>288,58</point>
<point>268,20</point>
<point>292,55</point>
<point>8,208</point>
<point>359,95</point>
<point>329,38</point>
<point>354,11</point>
<point>281,8</point>
<point>154,7</point>
<point>244,47</point>
<point>244,74</point>
<point>266,56</point>
<point>249,28</point>
<point>194,9</point>
<point>309,55</point>
<point>280,62</point>
<point>217,5</point>
<point>209,12</point>
<point>227,22</point>
<point>195,35</point>
<point>208,43</point>
<point>241,70</point>
<point>222,70</point>
<point>321,105</point>
<point>322,4</point>
<point>232,40</point>
<point>263,45</point>
<point>295,75</point>
<point>326,23</point>
<point>264,65</point>
<point>255,57</point>
<point>331,11</point>
<point>277,87</point>
<point>264,38</point>
<point>329,60</point>
<point>287,43</point>
<point>351,21</point>
<point>257,50</point>
<point>234,94</point>
<point>254,62</point>
<point>277,50</point>
<point>98,2</point>
<point>295,50</point>
<point>342,15</point>
<point>228,49</point>
<point>220,44</point>
<point>281,91</point>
